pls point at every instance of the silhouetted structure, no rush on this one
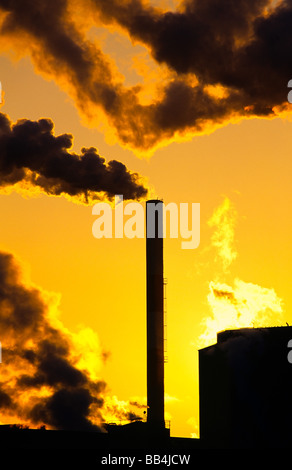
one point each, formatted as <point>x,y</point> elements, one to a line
<point>245,389</point>
<point>136,436</point>
<point>245,384</point>
<point>155,314</point>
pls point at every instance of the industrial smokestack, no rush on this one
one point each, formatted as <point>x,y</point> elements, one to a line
<point>155,313</point>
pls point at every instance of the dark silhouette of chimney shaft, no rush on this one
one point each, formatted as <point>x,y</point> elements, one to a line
<point>155,313</point>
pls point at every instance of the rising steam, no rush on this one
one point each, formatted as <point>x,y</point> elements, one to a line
<point>242,304</point>
<point>223,221</point>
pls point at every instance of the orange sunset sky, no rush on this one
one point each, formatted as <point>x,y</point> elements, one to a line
<point>236,164</point>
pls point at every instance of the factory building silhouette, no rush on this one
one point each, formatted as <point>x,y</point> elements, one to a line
<point>245,384</point>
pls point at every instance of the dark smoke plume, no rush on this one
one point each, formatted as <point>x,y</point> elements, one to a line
<point>241,47</point>
<point>240,44</point>
<point>36,356</point>
<point>31,153</point>
<point>41,382</point>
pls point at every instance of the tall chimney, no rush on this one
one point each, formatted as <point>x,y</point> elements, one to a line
<point>155,311</point>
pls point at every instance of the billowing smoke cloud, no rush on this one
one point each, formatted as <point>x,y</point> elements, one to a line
<point>239,45</point>
<point>45,376</point>
<point>226,60</point>
<point>31,155</point>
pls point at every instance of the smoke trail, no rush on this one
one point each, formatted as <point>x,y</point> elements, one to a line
<point>32,156</point>
<point>237,47</point>
<point>45,377</point>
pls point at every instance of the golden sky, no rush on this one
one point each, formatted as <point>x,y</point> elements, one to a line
<point>193,134</point>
